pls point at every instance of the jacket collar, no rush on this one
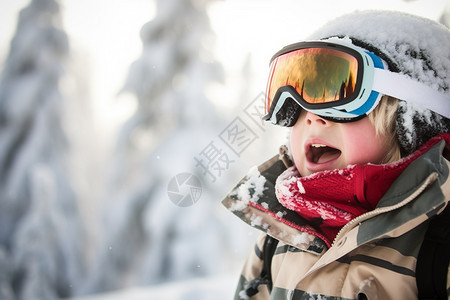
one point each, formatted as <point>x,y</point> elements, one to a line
<point>258,206</point>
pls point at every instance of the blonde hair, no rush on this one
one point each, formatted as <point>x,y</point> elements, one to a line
<point>383,119</point>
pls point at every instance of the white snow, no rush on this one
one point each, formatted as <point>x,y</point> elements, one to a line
<point>258,221</point>
<point>251,190</point>
<point>217,288</point>
<point>301,189</point>
<point>280,214</point>
<point>243,295</point>
<point>414,45</point>
<point>288,177</point>
<point>367,282</point>
<point>302,238</point>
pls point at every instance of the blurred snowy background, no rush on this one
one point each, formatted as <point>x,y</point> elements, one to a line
<point>102,104</point>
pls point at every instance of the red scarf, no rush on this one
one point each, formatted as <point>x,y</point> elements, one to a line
<point>330,199</point>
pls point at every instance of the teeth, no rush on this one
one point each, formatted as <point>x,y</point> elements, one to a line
<point>318,145</point>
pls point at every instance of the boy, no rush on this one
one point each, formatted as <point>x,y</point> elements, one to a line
<point>346,207</point>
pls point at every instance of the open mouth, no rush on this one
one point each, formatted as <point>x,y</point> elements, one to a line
<point>320,153</point>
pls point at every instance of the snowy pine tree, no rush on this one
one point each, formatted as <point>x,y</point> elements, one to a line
<point>40,232</point>
<point>445,17</point>
<point>148,239</point>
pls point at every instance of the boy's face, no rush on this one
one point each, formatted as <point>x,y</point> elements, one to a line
<point>319,145</point>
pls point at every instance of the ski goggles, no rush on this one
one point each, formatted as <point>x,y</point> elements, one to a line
<point>339,82</point>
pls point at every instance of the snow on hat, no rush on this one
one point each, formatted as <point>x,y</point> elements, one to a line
<point>411,45</point>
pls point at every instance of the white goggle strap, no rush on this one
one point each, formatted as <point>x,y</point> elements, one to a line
<point>404,88</point>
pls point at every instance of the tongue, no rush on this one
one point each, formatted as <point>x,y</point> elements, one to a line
<point>328,155</point>
<point>325,154</point>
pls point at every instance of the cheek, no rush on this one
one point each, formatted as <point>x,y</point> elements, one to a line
<point>363,145</point>
<point>296,144</point>
<point>294,141</point>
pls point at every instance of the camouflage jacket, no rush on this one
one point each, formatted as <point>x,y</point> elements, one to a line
<point>373,257</point>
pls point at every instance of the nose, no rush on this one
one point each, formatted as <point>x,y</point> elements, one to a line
<point>311,119</point>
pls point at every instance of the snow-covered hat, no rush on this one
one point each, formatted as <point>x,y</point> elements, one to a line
<point>417,47</point>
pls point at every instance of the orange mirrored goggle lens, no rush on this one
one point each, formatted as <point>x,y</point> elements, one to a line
<point>319,75</point>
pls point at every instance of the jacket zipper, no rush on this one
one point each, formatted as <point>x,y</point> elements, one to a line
<point>430,179</point>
